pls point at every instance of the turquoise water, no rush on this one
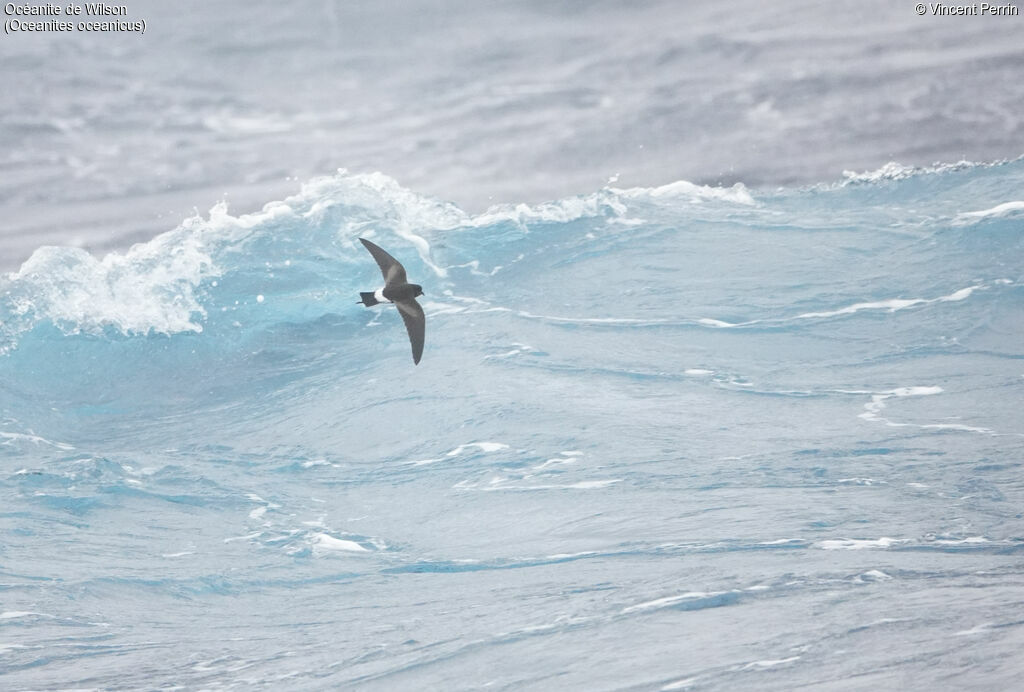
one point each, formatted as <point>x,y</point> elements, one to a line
<point>680,437</point>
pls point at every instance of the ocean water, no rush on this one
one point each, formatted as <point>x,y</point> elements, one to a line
<point>716,395</point>
<point>680,437</point>
<point>110,139</point>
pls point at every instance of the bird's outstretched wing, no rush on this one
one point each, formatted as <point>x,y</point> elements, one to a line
<point>392,269</point>
<point>415,324</point>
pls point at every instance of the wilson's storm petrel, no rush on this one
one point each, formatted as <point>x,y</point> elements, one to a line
<point>399,291</point>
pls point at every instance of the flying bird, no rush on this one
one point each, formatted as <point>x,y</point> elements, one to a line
<point>399,291</point>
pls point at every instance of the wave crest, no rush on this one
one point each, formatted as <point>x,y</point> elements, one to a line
<point>296,248</point>
<point>149,288</point>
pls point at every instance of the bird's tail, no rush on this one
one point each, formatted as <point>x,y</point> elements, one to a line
<point>368,299</point>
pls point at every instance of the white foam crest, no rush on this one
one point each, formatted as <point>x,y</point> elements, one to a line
<point>771,663</point>
<point>17,614</point>
<point>565,467</point>
<point>424,462</point>
<point>247,537</point>
<point>482,446</point>
<point>408,214</point>
<point>894,304</point>
<point>860,481</point>
<point>878,399</point>
<point>983,628</point>
<point>878,404</point>
<point>34,439</point>
<point>566,556</point>
<point>148,288</point>
<point>873,575</point>
<point>668,601</point>
<point>485,447</point>
<point>709,322</point>
<point>998,211</point>
<point>782,541</point>
<point>860,543</point>
<point>384,196</point>
<point>890,305</point>
<point>556,461</point>
<point>970,540</point>
<point>897,171</point>
<point>323,542</point>
<point>385,204</point>
<point>597,204</point>
<point>947,426</point>
<point>683,189</point>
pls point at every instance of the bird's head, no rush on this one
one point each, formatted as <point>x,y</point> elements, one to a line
<point>417,290</point>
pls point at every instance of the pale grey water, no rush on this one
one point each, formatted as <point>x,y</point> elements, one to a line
<point>109,139</point>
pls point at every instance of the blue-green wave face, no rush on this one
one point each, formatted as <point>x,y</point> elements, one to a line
<point>781,288</point>
<point>632,405</point>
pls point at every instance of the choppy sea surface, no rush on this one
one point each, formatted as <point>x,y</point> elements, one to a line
<point>677,437</point>
<point>111,138</point>
<point>713,397</point>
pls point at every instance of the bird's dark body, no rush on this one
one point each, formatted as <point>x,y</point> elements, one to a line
<point>402,292</point>
<point>391,293</point>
